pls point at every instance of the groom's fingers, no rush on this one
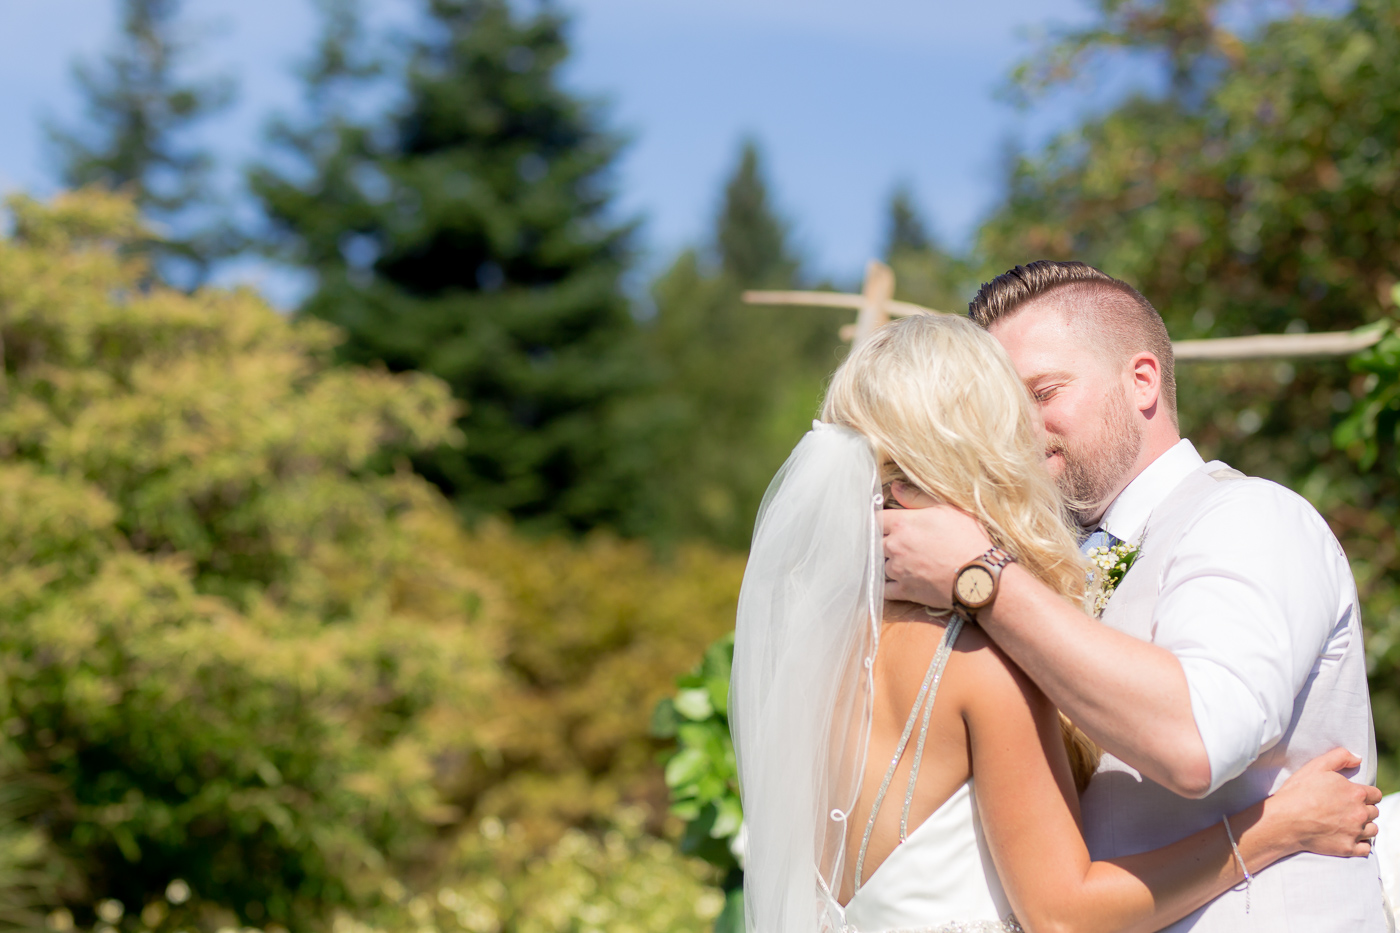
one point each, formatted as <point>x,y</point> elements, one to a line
<point>1373,796</point>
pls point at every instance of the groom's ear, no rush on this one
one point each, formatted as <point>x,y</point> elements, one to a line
<point>1146,387</point>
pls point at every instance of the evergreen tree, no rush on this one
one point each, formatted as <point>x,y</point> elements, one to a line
<point>742,382</point>
<point>139,110</point>
<point>468,236</point>
<point>751,238</point>
<point>905,232</point>
<point>925,273</point>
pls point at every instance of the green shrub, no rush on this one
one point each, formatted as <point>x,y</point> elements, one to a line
<point>702,775</point>
<point>257,670</point>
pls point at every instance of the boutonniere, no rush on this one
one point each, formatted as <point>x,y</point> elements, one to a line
<point>1109,565</point>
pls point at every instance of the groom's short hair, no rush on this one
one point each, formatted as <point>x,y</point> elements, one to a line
<point>1108,308</point>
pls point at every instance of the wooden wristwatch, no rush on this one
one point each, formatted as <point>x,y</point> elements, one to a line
<point>977,581</point>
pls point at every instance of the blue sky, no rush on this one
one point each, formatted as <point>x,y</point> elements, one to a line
<point>846,98</point>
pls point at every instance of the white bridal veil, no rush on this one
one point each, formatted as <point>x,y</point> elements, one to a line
<point>801,687</point>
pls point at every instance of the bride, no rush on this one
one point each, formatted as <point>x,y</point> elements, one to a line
<point>898,772</point>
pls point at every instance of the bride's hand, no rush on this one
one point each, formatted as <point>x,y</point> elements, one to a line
<point>1320,811</point>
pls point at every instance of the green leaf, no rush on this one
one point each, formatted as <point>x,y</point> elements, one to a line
<point>730,817</point>
<point>718,690</point>
<point>664,719</point>
<point>687,767</point>
<point>694,704</point>
<point>731,919</point>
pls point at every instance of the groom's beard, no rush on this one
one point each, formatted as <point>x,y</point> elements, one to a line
<point>1094,467</point>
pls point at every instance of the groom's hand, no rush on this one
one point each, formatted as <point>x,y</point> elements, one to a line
<point>925,545</point>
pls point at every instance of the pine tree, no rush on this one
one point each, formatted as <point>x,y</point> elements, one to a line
<point>742,382</point>
<point>139,108</point>
<point>925,272</point>
<point>906,231</point>
<point>751,238</point>
<point>467,235</point>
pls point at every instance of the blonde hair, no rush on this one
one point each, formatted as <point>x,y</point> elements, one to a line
<point>944,410</point>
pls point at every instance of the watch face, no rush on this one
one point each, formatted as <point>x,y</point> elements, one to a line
<point>974,587</point>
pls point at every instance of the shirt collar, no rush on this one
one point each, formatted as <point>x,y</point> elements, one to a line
<point>1127,515</point>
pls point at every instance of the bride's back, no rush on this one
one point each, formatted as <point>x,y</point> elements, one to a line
<point>908,641</point>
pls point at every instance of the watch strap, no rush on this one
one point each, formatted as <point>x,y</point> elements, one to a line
<point>997,557</point>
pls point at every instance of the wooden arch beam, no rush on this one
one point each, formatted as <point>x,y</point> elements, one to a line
<point>876,305</point>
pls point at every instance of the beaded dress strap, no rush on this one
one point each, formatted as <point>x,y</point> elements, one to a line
<point>923,702</point>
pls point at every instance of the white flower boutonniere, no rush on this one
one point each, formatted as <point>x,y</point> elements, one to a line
<point>1109,566</point>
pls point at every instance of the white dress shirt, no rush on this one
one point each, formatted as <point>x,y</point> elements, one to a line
<point>1244,583</point>
<point>1256,588</point>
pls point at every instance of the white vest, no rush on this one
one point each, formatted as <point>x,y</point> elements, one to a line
<point>1125,813</point>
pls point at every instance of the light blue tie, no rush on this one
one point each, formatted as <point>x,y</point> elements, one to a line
<point>1098,538</point>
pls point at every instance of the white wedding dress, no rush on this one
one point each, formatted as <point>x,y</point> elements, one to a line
<point>940,879</point>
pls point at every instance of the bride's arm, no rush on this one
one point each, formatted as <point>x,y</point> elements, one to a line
<point>1030,814</point>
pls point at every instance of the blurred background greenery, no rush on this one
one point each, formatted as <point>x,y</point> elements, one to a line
<point>358,618</point>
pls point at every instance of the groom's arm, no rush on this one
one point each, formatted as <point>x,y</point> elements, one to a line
<point>1248,601</point>
<point>1128,695</point>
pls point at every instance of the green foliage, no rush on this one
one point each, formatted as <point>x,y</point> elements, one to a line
<point>247,654</point>
<point>467,235</point>
<point>750,238</point>
<point>1373,423</point>
<point>925,272</point>
<point>906,232</point>
<point>596,632</point>
<point>702,776</point>
<point>739,384</point>
<point>622,881</point>
<point>188,500</point>
<point>138,112</point>
<point>701,773</point>
<point>1188,33</point>
<point>30,871</point>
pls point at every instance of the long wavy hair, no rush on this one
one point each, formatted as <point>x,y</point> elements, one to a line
<point>946,413</point>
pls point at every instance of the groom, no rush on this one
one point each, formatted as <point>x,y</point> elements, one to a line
<point>1231,652</point>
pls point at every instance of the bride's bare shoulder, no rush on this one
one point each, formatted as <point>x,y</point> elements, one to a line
<point>979,673</point>
<point>986,677</point>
